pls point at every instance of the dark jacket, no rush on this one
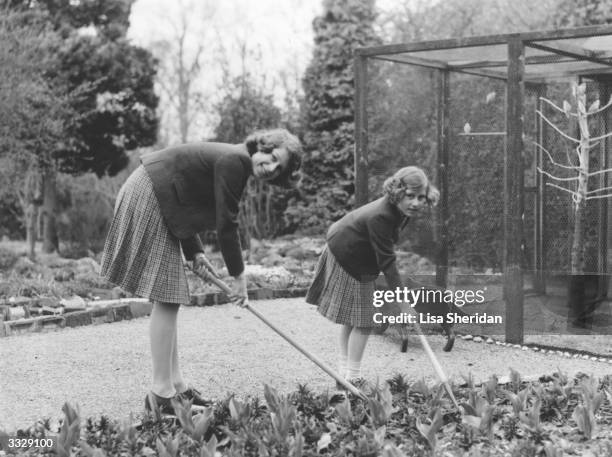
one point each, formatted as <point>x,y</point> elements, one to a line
<point>198,187</point>
<point>362,241</point>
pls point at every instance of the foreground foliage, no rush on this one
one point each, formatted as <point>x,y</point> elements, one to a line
<point>553,417</point>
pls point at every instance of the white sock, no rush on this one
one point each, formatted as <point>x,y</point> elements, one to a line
<point>354,370</point>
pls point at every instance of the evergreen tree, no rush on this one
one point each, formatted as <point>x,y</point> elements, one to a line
<point>32,116</point>
<point>328,183</point>
<point>109,87</point>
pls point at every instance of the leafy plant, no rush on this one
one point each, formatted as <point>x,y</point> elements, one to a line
<point>585,419</point>
<point>391,451</point>
<point>429,431</point>
<point>515,380</point>
<point>398,384</point>
<point>437,397</point>
<point>196,426</point>
<point>209,448</point>
<point>550,450</point>
<point>70,431</point>
<point>169,448</point>
<point>478,413</point>
<point>518,400</point>
<point>421,387</point>
<point>584,414</point>
<point>489,388</point>
<point>380,405</point>
<point>531,418</point>
<point>369,442</point>
<point>128,432</point>
<point>345,414</point>
<point>240,412</point>
<point>90,451</point>
<point>296,444</point>
<point>282,419</point>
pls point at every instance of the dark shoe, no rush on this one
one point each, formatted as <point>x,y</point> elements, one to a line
<point>195,397</point>
<point>160,406</point>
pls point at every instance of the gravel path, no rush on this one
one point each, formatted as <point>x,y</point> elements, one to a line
<point>106,368</point>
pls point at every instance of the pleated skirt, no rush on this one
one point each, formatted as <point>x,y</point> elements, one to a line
<point>140,254</point>
<point>340,297</point>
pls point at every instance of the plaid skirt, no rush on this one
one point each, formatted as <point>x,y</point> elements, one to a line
<point>140,254</point>
<point>340,297</point>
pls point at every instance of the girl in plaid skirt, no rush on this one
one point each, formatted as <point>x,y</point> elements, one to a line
<point>175,194</point>
<point>359,247</point>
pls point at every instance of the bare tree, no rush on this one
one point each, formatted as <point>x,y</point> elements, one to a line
<point>182,59</point>
<point>416,20</point>
<point>577,186</point>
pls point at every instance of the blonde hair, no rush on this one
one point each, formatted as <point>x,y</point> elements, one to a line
<point>412,179</point>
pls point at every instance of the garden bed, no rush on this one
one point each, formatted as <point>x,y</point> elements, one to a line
<point>554,416</point>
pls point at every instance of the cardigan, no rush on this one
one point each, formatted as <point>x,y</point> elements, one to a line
<point>199,187</point>
<point>362,241</point>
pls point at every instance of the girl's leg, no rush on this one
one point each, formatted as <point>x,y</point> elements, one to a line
<point>162,333</point>
<point>356,346</point>
<point>177,377</point>
<point>345,332</point>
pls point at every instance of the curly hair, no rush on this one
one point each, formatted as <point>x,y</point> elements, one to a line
<point>266,141</point>
<point>413,179</point>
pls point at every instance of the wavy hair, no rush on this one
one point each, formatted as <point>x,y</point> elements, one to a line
<point>410,179</point>
<point>266,141</point>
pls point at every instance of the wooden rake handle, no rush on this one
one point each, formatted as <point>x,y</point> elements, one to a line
<point>434,361</point>
<point>225,288</point>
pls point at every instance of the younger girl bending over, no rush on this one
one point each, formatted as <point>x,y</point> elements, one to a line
<point>359,247</point>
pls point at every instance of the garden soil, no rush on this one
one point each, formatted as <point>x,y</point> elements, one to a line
<point>106,369</point>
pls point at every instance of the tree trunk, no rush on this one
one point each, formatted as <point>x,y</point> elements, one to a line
<point>50,239</point>
<point>577,284</point>
<point>578,238</point>
<point>580,308</point>
<point>31,200</point>
<point>31,216</point>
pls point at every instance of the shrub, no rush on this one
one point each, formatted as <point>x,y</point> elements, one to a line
<point>8,258</point>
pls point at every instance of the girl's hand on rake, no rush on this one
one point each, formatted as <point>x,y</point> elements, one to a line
<point>203,267</point>
<point>243,302</point>
<point>239,291</point>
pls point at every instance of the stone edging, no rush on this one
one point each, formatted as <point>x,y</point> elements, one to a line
<point>542,348</point>
<point>107,311</point>
<point>117,311</point>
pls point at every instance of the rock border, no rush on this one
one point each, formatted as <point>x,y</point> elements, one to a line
<point>107,311</point>
<point>542,348</point>
<point>119,310</point>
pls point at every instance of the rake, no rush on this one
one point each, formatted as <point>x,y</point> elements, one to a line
<point>434,361</point>
<point>225,288</point>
